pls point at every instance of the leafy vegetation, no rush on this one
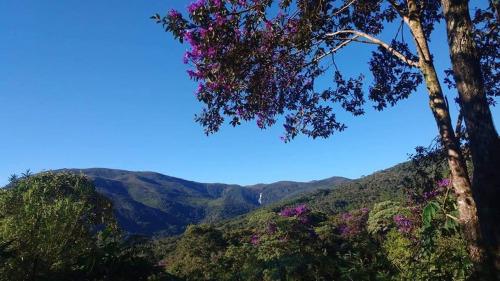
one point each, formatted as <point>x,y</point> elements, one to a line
<point>390,242</point>
<point>261,59</point>
<point>372,228</point>
<point>57,227</point>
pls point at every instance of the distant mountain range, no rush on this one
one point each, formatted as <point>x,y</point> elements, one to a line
<point>150,203</point>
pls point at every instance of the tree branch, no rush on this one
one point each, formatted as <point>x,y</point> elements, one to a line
<point>334,50</point>
<point>378,42</point>
<point>398,10</point>
<point>344,7</point>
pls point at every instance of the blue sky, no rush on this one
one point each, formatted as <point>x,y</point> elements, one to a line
<point>98,84</point>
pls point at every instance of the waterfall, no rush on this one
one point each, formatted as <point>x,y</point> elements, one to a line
<point>260,198</point>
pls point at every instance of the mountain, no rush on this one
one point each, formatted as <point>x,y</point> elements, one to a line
<point>285,189</point>
<point>150,203</point>
<point>388,184</point>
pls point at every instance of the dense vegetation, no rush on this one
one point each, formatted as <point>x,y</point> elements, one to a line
<point>396,224</point>
<point>57,227</point>
<point>261,60</point>
<point>389,242</point>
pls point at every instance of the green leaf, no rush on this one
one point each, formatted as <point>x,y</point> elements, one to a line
<point>429,212</point>
<point>450,224</point>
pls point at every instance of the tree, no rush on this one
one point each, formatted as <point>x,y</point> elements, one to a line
<point>477,77</point>
<point>259,59</point>
<point>49,223</point>
<point>197,254</point>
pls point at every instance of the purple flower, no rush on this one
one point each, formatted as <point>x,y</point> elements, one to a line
<point>200,88</point>
<point>193,74</point>
<point>297,211</point>
<point>403,224</point>
<point>269,25</point>
<point>344,230</point>
<point>217,3</point>
<point>185,58</point>
<point>431,194</point>
<point>240,111</point>
<point>255,239</point>
<point>301,209</point>
<point>196,5</point>
<point>287,212</point>
<point>211,52</point>
<point>174,14</point>
<point>188,36</point>
<point>346,216</point>
<point>219,20</point>
<point>444,182</point>
<point>203,32</point>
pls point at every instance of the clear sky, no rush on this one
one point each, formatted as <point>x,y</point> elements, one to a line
<point>98,84</point>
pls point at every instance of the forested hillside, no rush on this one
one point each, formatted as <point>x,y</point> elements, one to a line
<point>380,227</point>
<point>149,203</point>
<point>392,225</point>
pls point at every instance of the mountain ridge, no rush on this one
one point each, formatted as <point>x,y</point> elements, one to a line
<point>151,203</point>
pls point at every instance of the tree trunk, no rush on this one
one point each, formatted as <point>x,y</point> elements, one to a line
<point>460,178</point>
<point>483,138</point>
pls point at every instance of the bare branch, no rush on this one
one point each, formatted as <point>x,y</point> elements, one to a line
<point>378,42</point>
<point>345,7</point>
<point>334,50</point>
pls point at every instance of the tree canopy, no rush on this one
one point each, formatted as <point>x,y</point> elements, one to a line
<point>260,59</point>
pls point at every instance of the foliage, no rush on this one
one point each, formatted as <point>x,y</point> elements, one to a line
<point>197,254</point>
<point>255,63</point>
<point>381,217</point>
<point>406,238</point>
<point>50,220</point>
<point>296,243</point>
<point>57,227</point>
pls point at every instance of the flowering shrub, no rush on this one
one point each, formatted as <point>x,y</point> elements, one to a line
<point>353,223</point>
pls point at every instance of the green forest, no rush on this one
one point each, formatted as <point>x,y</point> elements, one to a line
<point>396,224</point>
<point>435,216</point>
